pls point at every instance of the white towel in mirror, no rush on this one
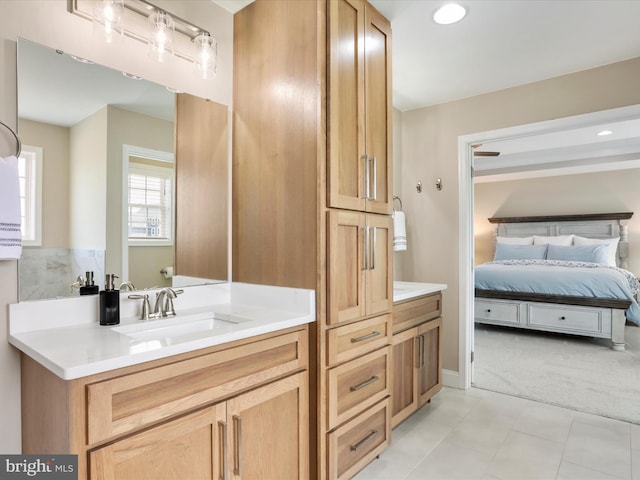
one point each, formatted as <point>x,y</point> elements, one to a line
<point>399,231</point>
<point>10,234</point>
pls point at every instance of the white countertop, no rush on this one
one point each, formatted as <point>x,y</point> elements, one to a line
<point>65,336</point>
<point>407,290</point>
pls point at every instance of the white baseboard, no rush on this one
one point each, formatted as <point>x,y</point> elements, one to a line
<point>451,378</point>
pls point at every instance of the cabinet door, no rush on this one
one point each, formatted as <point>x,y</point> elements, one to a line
<point>378,110</point>
<point>360,115</point>
<point>404,364</point>
<point>346,149</point>
<point>346,266</point>
<point>188,447</point>
<point>430,367</point>
<point>269,431</point>
<point>359,259</point>
<point>379,276</point>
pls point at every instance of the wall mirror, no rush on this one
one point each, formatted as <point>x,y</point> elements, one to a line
<point>106,169</point>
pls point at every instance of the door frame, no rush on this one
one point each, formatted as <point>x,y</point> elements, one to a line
<point>466,212</point>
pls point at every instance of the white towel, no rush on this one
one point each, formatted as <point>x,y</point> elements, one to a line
<point>10,234</point>
<point>399,232</point>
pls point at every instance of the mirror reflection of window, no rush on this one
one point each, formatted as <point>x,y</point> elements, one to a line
<point>30,175</point>
<point>150,201</point>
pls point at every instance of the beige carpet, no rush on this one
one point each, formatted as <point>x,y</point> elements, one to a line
<point>575,372</point>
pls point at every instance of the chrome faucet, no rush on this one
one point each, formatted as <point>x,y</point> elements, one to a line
<point>164,302</point>
<point>127,286</point>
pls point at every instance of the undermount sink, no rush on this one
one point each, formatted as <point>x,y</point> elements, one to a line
<point>172,327</point>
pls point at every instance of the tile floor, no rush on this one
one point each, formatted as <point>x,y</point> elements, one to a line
<point>477,434</point>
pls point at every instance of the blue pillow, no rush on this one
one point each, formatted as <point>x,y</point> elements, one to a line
<point>505,251</point>
<point>578,253</point>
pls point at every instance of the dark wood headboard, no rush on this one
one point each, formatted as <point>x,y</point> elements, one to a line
<point>593,225</point>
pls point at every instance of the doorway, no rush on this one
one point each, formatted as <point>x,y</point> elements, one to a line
<point>466,211</point>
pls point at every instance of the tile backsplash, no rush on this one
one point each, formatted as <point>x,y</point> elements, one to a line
<point>49,272</point>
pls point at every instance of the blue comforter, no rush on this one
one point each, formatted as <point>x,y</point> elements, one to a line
<point>557,277</point>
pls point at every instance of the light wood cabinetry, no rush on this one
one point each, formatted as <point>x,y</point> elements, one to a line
<point>416,356</point>
<point>360,108</point>
<point>202,190</point>
<point>359,258</point>
<point>194,415</point>
<point>312,108</point>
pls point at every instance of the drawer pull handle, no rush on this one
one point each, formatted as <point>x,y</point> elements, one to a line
<point>365,383</point>
<point>237,432</point>
<point>563,318</point>
<point>222,440</point>
<point>368,438</point>
<point>365,337</point>
<point>488,310</point>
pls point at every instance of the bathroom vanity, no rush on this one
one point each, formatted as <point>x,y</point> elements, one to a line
<point>417,362</point>
<point>186,397</point>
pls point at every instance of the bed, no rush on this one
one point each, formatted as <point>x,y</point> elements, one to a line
<point>563,273</point>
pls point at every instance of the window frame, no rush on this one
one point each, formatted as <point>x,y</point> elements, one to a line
<point>158,155</point>
<point>32,194</point>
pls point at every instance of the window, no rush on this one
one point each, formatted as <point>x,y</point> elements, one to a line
<point>150,201</point>
<point>30,175</point>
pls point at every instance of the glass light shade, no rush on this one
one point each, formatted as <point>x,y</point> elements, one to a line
<point>108,15</point>
<point>161,35</point>
<point>206,55</point>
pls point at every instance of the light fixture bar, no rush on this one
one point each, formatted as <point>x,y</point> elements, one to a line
<point>138,11</point>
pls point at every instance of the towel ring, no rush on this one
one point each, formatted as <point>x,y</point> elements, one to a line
<point>397,198</point>
<point>19,143</point>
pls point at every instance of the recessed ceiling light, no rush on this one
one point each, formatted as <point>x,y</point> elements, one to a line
<point>604,133</point>
<point>131,76</point>
<point>449,13</point>
<point>80,59</point>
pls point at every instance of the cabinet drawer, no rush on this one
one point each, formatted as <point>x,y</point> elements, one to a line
<point>351,341</point>
<point>412,312</point>
<point>567,319</point>
<point>499,312</point>
<point>357,385</point>
<point>356,443</point>
<point>133,401</point>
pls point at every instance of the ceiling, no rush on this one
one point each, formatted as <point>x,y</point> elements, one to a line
<point>499,44</point>
<point>506,43</point>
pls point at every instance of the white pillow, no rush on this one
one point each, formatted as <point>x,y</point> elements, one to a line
<point>612,248</point>
<point>515,240</point>
<point>564,240</point>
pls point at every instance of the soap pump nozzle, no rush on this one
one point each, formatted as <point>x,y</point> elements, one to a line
<point>109,282</point>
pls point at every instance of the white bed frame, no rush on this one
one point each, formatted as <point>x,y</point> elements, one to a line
<point>587,316</point>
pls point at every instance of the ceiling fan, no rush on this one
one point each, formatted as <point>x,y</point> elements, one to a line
<point>477,153</point>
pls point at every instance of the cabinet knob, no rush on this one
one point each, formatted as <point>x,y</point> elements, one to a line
<point>488,310</point>
<point>563,318</point>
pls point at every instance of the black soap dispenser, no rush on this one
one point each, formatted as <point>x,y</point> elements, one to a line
<point>89,288</point>
<point>109,302</point>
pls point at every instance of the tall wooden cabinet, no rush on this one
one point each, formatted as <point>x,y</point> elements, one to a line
<point>312,201</point>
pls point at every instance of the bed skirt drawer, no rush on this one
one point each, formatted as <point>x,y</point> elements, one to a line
<point>569,319</point>
<point>495,311</point>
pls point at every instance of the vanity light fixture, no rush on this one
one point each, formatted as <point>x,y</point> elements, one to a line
<point>206,56</point>
<point>108,16</point>
<point>449,13</point>
<point>166,34</point>
<point>161,35</point>
<point>604,133</point>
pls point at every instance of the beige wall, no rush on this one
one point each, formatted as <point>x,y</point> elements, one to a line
<point>130,128</point>
<point>87,182</point>
<point>47,22</point>
<point>603,192</point>
<point>430,150</point>
<point>54,141</point>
